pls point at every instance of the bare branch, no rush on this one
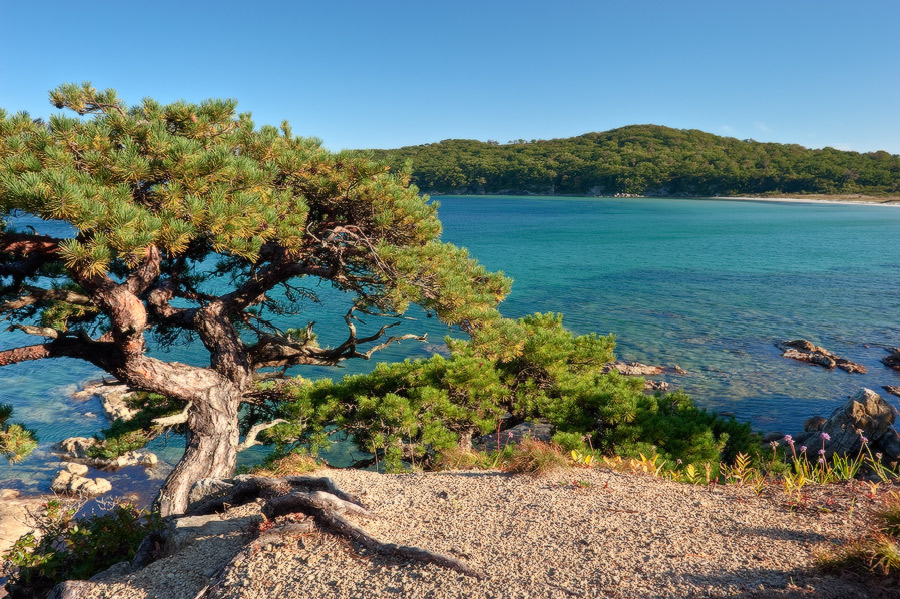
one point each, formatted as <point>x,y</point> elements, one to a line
<point>36,331</point>
<point>36,295</point>
<point>175,419</point>
<point>250,440</point>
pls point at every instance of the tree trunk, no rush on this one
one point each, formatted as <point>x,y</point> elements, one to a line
<point>211,451</point>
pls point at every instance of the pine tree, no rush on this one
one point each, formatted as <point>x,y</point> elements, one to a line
<point>155,194</point>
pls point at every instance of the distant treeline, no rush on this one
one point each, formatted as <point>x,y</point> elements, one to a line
<point>646,160</point>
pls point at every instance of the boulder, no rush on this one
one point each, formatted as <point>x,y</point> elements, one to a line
<point>773,436</point>
<point>814,424</point>
<point>74,447</point>
<point>189,529</point>
<point>892,390</point>
<point>806,351</point>
<point>208,488</point>
<point>138,457</point>
<point>71,481</point>
<point>893,360</point>
<point>866,413</point>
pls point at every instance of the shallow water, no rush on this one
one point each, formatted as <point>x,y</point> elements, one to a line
<point>705,284</point>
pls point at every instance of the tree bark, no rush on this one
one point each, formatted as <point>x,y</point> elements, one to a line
<point>211,451</point>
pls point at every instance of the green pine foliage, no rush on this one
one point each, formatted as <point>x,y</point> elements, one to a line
<point>414,410</point>
<point>16,441</point>
<point>647,160</point>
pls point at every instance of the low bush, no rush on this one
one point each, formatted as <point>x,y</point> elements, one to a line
<point>66,547</point>
<point>413,411</point>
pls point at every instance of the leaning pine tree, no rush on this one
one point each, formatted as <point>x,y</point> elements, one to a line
<point>161,198</point>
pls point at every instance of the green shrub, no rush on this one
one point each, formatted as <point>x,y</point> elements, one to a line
<point>410,412</point>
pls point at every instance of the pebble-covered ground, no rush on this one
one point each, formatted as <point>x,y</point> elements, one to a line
<point>584,533</point>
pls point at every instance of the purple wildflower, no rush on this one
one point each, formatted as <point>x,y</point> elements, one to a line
<point>510,434</point>
<point>821,460</point>
<point>803,448</point>
<point>821,452</point>
<point>789,439</point>
<point>826,437</point>
<point>863,439</point>
<point>878,455</point>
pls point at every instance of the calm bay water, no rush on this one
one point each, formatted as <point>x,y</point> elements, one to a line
<point>705,284</point>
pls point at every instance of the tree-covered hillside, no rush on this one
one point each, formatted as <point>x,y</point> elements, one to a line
<point>648,160</point>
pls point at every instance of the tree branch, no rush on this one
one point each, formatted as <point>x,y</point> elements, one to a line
<point>275,351</point>
<point>250,440</point>
<point>36,295</point>
<point>175,419</point>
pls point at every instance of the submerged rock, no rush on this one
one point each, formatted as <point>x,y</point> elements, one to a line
<point>115,398</point>
<point>635,369</point>
<point>806,351</point>
<point>893,360</point>
<point>892,390</point>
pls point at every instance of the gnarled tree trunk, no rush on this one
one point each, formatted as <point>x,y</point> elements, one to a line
<point>211,451</point>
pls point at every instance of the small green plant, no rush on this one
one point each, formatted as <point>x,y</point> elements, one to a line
<point>66,547</point>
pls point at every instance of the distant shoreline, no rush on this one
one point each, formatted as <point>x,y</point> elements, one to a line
<point>838,199</point>
<point>849,200</point>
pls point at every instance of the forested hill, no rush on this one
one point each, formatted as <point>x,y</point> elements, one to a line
<point>646,160</point>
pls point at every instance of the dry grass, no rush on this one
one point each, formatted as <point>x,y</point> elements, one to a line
<point>458,458</point>
<point>877,552</point>
<point>537,458</point>
<point>289,465</point>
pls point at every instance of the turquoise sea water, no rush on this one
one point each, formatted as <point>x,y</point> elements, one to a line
<point>705,284</point>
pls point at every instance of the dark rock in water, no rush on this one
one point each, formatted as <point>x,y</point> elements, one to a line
<point>806,351</point>
<point>539,430</point>
<point>866,414</point>
<point>893,360</point>
<point>892,390</point>
<point>814,424</point>
<point>802,439</point>
<point>653,386</point>
<point>638,369</point>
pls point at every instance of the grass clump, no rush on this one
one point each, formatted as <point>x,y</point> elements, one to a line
<point>291,464</point>
<point>536,458</point>
<point>875,553</point>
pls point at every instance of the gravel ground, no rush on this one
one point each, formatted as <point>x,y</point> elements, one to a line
<point>612,534</point>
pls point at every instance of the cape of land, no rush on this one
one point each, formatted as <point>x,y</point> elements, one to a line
<point>647,160</point>
<point>581,533</point>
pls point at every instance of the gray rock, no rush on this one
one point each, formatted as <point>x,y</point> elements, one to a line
<point>112,573</point>
<point>893,390</point>
<point>893,360</point>
<point>773,436</point>
<point>865,413</point>
<point>814,424</point>
<point>186,531</point>
<point>208,488</point>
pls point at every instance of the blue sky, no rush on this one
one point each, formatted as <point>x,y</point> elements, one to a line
<point>369,74</point>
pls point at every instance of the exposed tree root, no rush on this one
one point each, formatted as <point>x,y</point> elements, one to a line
<point>324,503</point>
